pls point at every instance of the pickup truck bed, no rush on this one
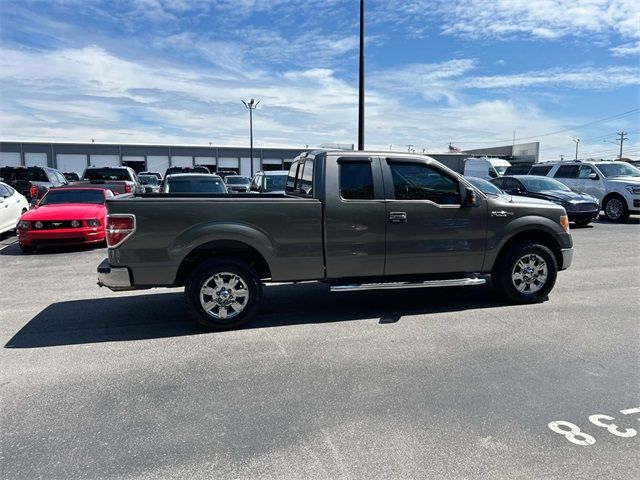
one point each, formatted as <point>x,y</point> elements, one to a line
<point>285,230</point>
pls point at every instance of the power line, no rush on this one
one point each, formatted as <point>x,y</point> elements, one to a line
<point>567,129</point>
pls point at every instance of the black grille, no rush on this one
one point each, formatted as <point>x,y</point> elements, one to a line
<point>584,207</point>
<point>56,224</point>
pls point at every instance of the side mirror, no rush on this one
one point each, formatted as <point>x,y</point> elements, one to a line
<point>253,188</point>
<point>1,199</point>
<point>470,197</point>
<point>594,176</point>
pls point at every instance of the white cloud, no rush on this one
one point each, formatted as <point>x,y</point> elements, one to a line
<point>632,48</point>
<point>587,78</point>
<point>502,19</point>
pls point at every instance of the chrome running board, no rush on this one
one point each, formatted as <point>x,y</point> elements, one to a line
<point>452,282</point>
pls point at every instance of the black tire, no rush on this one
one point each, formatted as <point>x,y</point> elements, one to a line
<point>615,208</point>
<point>503,275</point>
<point>203,276</point>
<point>27,248</point>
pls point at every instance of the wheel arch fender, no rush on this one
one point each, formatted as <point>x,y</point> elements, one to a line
<point>238,234</point>
<point>534,228</point>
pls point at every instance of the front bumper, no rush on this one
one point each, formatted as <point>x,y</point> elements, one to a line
<point>567,258</point>
<point>63,236</point>
<point>114,278</point>
<point>583,216</point>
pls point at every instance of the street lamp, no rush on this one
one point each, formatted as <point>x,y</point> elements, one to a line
<point>577,141</point>
<point>251,105</point>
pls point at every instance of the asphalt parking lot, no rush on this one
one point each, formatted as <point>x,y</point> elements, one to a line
<point>413,384</point>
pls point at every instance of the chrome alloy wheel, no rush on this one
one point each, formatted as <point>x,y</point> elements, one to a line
<point>529,273</point>
<point>614,208</point>
<point>224,295</point>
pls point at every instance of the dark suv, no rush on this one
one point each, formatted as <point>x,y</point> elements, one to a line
<point>32,182</point>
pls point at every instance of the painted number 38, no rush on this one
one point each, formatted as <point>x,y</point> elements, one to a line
<point>573,433</point>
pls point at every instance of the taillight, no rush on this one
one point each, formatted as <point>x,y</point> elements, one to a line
<point>33,191</point>
<point>119,228</point>
<point>128,188</point>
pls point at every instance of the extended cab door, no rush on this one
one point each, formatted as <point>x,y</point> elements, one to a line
<point>355,218</point>
<point>428,230</point>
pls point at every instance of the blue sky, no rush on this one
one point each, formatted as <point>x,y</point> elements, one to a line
<point>470,72</point>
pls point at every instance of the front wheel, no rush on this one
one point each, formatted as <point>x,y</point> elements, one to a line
<point>526,273</point>
<point>615,208</point>
<point>223,294</point>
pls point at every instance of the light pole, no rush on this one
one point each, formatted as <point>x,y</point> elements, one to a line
<point>251,105</point>
<point>577,141</point>
<point>361,82</point>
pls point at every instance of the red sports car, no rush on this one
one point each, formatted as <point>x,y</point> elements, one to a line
<point>65,216</point>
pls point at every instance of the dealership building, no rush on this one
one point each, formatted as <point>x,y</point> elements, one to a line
<point>75,157</point>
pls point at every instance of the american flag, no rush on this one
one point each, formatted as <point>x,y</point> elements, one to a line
<point>454,149</point>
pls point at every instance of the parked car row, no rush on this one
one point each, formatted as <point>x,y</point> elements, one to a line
<point>616,185</point>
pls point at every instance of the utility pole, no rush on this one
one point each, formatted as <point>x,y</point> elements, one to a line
<point>623,137</point>
<point>577,141</point>
<point>409,148</point>
<point>251,105</point>
<point>361,82</point>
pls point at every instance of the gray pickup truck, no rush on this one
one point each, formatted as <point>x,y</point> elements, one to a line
<point>355,220</point>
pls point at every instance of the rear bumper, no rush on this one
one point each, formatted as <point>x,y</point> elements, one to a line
<point>567,258</point>
<point>114,278</point>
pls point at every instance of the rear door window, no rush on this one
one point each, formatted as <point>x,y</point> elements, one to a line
<point>542,170</point>
<point>567,171</point>
<point>356,181</point>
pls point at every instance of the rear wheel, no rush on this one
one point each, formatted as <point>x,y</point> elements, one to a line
<point>615,208</point>
<point>526,273</point>
<point>223,294</point>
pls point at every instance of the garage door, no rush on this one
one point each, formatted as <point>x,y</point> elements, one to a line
<point>224,163</point>
<point>9,159</point>
<point>104,160</point>
<point>157,163</point>
<point>35,159</point>
<point>179,161</point>
<point>71,163</point>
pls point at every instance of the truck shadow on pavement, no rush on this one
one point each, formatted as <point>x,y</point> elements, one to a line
<point>162,315</point>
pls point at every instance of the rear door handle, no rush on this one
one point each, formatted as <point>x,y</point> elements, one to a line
<point>398,217</point>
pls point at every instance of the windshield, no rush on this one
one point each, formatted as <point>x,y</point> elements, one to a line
<point>484,186</point>
<point>541,184</point>
<point>618,170</point>
<point>273,183</point>
<point>501,170</point>
<point>107,174</point>
<point>196,185</point>
<point>237,180</point>
<point>54,197</point>
<point>148,179</point>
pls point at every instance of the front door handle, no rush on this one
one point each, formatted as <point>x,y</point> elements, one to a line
<point>398,217</point>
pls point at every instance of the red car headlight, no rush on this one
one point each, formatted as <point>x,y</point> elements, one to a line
<point>94,222</point>
<point>22,225</point>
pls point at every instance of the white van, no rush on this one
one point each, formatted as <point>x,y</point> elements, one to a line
<point>486,168</point>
